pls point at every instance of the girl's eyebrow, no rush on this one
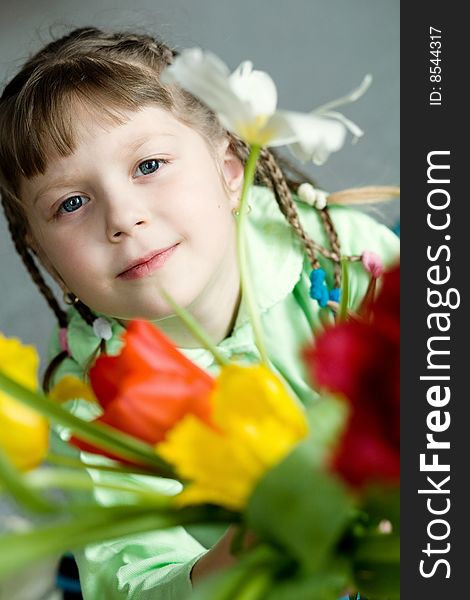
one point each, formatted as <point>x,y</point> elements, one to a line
<point>140,141</point>
<point>57,183</point>
<point>133,147</point>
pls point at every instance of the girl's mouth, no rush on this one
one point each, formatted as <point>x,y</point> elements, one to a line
<point>148,264</point>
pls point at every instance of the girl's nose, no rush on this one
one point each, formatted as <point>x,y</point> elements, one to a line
<point>123,218</point>
<point>116,234</point>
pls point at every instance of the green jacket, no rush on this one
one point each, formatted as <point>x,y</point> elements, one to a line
<point>158,564</point>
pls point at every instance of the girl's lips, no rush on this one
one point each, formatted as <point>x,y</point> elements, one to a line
<point>148,264</point>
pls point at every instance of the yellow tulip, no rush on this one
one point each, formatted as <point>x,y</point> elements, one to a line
<point>255,424</point>
<point>24,434</point>
<point>69,388</point>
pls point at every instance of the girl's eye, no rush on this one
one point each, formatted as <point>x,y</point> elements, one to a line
<point>147,167</point>
<point>72,204</point>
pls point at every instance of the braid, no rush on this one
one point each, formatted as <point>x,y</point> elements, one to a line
<point>271,170</point>
<point>293,175</point>
<point>334,242</point>
<point>51,368</point>
<point>18,235</point>
<point>86,313</point>
<point>270,174</point>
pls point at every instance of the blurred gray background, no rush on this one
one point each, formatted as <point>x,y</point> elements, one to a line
<point>315,50</point>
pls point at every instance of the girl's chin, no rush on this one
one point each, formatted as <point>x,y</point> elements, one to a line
<point>150,306</point>
<point>154,315</point>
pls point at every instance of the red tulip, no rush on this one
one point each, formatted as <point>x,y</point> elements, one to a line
<point>360,360</point>
<point>148,387</point>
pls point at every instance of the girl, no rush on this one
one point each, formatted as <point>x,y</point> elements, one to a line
<point>118,186</point>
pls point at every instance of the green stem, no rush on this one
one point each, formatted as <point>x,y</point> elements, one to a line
<point>76,463</point>
<point>256,585</point>
<point>343,307</point>
<point>194,327</point>
<point>64,479</point>
<point>12,481</point>
<point>245,277</point>
<point>101,435</point>
<point>306,308</point>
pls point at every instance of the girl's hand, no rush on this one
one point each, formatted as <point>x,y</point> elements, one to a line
<point>220,556</point>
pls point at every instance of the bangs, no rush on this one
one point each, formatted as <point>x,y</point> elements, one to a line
<point>42,121</point>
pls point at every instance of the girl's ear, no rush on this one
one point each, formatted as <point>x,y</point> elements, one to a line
<point>232,172</point>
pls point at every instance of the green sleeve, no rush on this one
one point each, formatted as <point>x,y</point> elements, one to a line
<point>152,565</point>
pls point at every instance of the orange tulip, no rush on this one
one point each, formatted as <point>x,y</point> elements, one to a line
<point>148,387</point>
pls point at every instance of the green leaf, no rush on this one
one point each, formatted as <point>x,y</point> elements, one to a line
<point>378,548</point>
<point>300,508</point>
<point>100,435</point>
<point>382,502</point>
<point>374,552</point>
<point>248,579</point>
<point>380,582</point>
<point>265,573</point>
<point>95,524</point>
<point>75,479</point>
<point>376,563</point>
<point>326,419</point>
<point>329,584</point>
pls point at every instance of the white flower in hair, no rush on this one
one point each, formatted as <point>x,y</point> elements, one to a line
<point>102,328</point>
<point>245,102</point>
<point>312,142</point>
<point>312,196</point>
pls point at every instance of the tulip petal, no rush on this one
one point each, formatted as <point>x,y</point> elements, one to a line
<point>149,347</point>
<point>278,130</point>
<point>237,386</point>
<point>317,137</point>
<point>354,95</point>
<point>205,76</point>
<point>150,407</point>
<point>356,131</point>
<point>24,433</point>
<point>146,352</point>
<point>219,469</point>
<point>256,88</point>
<point>69,388</point>
<point>256,423</point>
<point>19,362</point>
<point>148,387</point>
<point>361,360</point>
<point>246,100</point>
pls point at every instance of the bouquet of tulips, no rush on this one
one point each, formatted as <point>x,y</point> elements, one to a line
<point>318,488</point>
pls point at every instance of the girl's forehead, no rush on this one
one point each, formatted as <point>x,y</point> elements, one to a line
<point>91,126</point>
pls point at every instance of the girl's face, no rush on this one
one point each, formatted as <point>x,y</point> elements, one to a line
<point>138,206</point>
